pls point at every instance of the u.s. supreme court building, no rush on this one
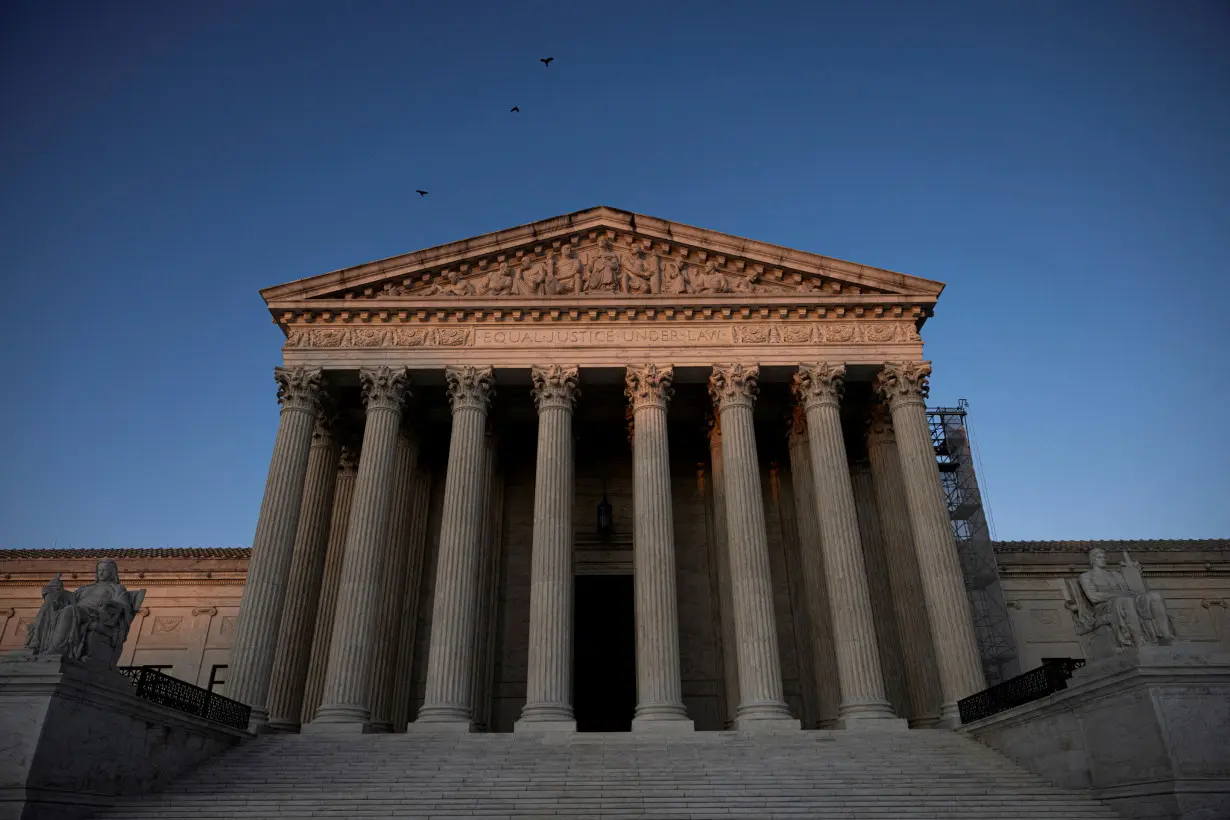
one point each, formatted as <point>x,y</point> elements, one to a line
<point>600,471</point>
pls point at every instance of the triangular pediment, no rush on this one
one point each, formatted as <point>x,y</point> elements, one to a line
<point>602,255</point>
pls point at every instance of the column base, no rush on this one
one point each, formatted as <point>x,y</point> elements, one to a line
<point>282,727</point>
<point>662,725</point>
<point>767,724</point>
<point>950,716</point>
<point>864,724</point>
<point>338,719</point>
<point>552,725</point>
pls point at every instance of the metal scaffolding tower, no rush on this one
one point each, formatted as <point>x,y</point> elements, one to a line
<point>954,456</point>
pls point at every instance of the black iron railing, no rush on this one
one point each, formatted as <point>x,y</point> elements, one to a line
<point>174,693</point>
<point>1049,678</point>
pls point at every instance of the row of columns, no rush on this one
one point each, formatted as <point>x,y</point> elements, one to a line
<point>349,583</point>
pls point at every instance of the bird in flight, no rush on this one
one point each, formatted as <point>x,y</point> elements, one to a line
<point>420,192</point>
<point>515,109</point>
<point>546,61</point>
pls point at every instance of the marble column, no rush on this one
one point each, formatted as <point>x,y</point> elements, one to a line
<point>260,610</point>
<point>344,706</point>
<point>761,704</point>
<point>828,693</point>
<point>659,688</point>
<point>904,387</point>
<point>450,658</point>
<point>548,702</point>
<point>393,586</point>
<point>488,560</point>
<point>721,551</point>
<point>863,702</point>
<point>416,546</point>
<point>871,535</point>
<point>913,625</point>
<point>322,632</point>
<point>290,661</point>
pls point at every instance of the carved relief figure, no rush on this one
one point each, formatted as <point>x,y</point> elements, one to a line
<point>1116,604</point>
<point>499,282</point>
<point>674,278</point>
<point>604,267</point>
<point>534,279</point>
<point>568,271</point>
<point>713,280</point>
<point>90,623</point>
<point>640,273</point>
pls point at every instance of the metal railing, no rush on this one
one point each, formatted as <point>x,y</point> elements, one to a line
<point>174,693</point>
<point>1049,678</point>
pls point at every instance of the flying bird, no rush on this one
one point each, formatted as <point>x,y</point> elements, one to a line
<point>420,192</point>
<point>515,109</point>
<point>546,61</point>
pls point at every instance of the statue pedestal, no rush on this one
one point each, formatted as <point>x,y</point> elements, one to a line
<point>77,736</point>
<point>1146,731</point>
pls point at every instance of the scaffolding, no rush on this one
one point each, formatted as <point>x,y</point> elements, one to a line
<point>954,456</point>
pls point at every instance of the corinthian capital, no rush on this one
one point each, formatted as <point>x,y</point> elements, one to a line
<point>469,387</point>
<point>649,385</point>
<point>731,384</point>
<point>384,388</point>
<point>819,384</point>
<point>880,424</point>
<point>298,387</point>
<point>326,421</point>
<point>900,383</point>
<point>554,386</point>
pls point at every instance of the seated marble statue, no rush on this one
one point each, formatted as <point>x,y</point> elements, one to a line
<point>1113,609</point>
<point>90,623</point>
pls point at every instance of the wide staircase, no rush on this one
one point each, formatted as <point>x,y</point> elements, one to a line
<point>897,776</point>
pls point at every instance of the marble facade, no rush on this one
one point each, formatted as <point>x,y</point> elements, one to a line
<point>715,341</point>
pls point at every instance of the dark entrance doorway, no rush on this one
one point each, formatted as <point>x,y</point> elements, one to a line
<point>604,674</point>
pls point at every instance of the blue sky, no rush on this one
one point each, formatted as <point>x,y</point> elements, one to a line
<point>1062,166</point>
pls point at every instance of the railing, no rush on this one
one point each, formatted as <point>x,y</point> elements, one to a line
<point>1049,678</point>
<point>174,693</point>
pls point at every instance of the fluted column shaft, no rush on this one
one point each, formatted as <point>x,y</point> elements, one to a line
<point>294,645</point>
<point>392,587</point>
<point>322,633</point>
<point>761,704</point>
<point>872,538</point>
<point>260,610</point>
<point>904,387</point>
<point>450,659</point>
<point>548,702</point>
<point>484,605</point>
<point>726,615</point>
<point>812,560</point>
<point>345,706</point>
<point>416,546</point>
<point>913,624</point>
<point>818,388</point>
<point>659,691</point>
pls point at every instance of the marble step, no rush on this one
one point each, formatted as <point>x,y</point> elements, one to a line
<point>820,775</point>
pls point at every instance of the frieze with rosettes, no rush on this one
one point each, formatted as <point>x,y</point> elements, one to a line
<point>648,333</point>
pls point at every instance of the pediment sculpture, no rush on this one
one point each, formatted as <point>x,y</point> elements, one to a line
<point>604,268</point>
<point>88,624</point>
<point>1114,610</point>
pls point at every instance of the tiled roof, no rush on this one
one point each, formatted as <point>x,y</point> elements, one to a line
<point>1140,545</point>
<point>241,553</point>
